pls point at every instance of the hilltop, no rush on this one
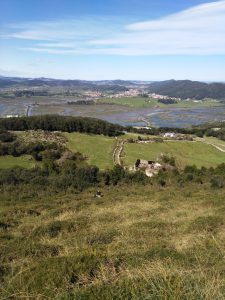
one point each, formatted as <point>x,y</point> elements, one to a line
<point>189,89</point>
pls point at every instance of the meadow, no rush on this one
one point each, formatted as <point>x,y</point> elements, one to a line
<point>9,161</point>
<point>97,148</point>
<point>142,102</point>
<point>136,102</point>
<point>185,153</point>
<point>136,242</point>
<point>159,238</point>
<point>215,141</point>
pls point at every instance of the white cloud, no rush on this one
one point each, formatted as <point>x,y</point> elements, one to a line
<point>196,31</point>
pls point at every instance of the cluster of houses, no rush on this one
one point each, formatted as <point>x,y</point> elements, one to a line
<point>129,93</point>
<point>161,97</point>
<point>93,94</point>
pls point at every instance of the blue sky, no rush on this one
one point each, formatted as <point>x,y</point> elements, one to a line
<point>126,39</point>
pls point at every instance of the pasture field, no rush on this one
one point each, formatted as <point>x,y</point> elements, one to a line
<point>136,242</point>
<point>9,161</point>
<point>97,148</point>
<point>142,102</point>
<point>215,141</point>
<point>186,153</point>
<point>136,102</point>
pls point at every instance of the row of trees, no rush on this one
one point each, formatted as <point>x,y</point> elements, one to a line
<point>213,129</point>
<point>61,123</point>
<point>96,126</point>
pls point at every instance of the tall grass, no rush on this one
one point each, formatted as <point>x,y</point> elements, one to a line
<point>136,242</point>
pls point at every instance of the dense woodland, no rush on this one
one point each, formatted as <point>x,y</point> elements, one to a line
<point>61,123</point>
<point>96,126</point>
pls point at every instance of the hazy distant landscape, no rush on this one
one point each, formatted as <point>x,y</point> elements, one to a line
<point>170,103</point>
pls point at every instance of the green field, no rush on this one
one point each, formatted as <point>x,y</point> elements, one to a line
<point>97,148</point>
<point>22,161</point>
<point>216,142</point>
<point>137,102</point>
<point>141,102</point>
<point>186,153</point>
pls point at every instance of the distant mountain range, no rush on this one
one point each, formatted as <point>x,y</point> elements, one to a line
<point>173,88</point>
<point>189,89</point>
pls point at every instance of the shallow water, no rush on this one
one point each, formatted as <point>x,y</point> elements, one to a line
<point>171,117</point>
<point>162,117</point>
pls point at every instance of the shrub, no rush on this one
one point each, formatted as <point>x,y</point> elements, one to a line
<point>217,182</point>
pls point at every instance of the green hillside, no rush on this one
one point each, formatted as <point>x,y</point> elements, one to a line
<point>97,148</point>
<point>186,153</point>
<point>137,242</point>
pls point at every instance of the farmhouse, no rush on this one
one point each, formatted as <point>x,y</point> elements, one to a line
<point>150,167</point>
<point>169,135</point>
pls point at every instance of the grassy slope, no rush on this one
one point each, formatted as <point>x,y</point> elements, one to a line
<point>215,141</point>
<point>97,148</point>
<point>189,153</point>
<point>10,162</point>
<point>137,242</point>
<point>140,102</point>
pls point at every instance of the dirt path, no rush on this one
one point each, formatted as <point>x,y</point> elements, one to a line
<point>210,143</point>
<point>117,152</point>
<point>216,146</point>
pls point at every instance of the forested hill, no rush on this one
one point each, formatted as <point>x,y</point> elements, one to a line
<point>188,89</point>
<point>61,123</point>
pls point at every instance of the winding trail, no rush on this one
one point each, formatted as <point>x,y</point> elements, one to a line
<point>212,144</point>
<point>117,152</point>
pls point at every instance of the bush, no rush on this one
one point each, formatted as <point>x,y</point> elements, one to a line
<point>167,159</point>
<point>161,182</point>
<point>6,136</point>
<point>217,182</point>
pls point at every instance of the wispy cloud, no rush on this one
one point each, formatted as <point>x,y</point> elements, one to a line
<point>196,31</point>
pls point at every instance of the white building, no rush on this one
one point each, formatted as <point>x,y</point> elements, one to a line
<point>169,135</point>
<point>12,116</point>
